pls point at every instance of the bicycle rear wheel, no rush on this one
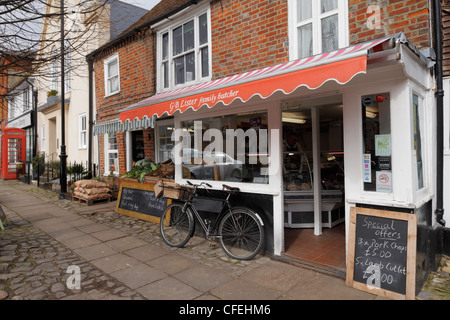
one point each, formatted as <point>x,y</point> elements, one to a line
<point>176,225</point>
<point>241,234</point>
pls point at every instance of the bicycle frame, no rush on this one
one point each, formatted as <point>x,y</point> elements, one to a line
<point>189,204</point>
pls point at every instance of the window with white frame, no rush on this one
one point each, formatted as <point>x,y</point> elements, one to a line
<point>43,138</point>
<point>12,105</point>
<point>317,26</point>
<point>184,51</point>
<point>67,67</point>
<point>82,130</point>
<point>54,74</point>
<point>112,78</point>
<point>26,101</point>
<point>111,154</point>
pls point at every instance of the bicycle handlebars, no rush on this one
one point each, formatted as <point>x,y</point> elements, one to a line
<point>225,187</point>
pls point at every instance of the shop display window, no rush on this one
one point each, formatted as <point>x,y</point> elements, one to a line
<point>298,149</point>
<point>164,141</point>
<point>376,160</point>
<point>226,148</point>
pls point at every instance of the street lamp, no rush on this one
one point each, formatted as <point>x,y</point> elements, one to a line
<point>63,155</point>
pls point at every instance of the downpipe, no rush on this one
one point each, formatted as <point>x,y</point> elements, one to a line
<point>437,26</point>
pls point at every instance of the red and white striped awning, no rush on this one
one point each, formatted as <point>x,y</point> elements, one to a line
<point>312,72</point>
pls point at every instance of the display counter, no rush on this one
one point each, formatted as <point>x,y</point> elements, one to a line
<point>299,208</point>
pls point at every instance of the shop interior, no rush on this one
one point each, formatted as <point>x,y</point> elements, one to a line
<point>305,238</point>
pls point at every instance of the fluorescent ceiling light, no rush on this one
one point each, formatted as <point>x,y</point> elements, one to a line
<point>294,120</point>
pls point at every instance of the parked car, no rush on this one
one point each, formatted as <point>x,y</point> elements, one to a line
<point>216,165</point>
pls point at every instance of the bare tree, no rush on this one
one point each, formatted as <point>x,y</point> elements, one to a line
<point>30,35</point>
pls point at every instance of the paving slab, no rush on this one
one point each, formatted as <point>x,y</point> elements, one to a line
<point>126,243</point>
<point>278,276</point>
<point>95,252</point>
<point>84,240</point>
<point>239,289</point>
<point>138,275</point>
<point>92,227</point>
<point>169,289</point>
<point>172,263</point>
<point>147,252</point>
<point>203,278</point>
<point>109,234</point>
<point>115,262</point>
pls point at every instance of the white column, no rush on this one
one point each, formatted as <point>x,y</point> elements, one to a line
<point>129,159</point>
<point>316,170</point>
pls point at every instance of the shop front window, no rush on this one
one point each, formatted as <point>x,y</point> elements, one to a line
<point>377,169</point>
<point>226,148</point>
<point>164,139</point>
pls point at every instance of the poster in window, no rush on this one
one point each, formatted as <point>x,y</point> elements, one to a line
<point>367,170</point>
<point>382,145</point>
<point>384,181</point>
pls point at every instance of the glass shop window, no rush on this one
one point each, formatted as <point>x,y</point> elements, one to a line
<point>225,148</point>
<point>377,169</point>
<point>417,140</point>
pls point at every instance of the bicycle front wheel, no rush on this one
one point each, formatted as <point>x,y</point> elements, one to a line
<point>241,234</point>
<point>176,225</point>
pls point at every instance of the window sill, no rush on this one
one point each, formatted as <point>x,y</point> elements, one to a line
<point>188,84</point>
<point>112,94</point>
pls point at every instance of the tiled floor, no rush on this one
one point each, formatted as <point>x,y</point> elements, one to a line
<point>327,249</point>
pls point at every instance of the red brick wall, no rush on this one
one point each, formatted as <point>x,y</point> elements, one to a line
<point>248,35</point>
<point>137,72</point>
<point>410,17</point>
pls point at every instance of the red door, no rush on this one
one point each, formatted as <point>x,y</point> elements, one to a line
<point>13,152</point>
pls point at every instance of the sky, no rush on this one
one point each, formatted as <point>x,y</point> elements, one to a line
<point>146,4</point>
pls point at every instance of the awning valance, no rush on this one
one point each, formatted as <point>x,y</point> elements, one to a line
<point>340,66</point>
<point>116,125</point>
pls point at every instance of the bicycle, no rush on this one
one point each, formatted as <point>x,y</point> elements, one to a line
<point>240,231</point>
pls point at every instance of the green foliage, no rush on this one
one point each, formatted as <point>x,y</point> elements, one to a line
<point>139,172</point>
<point>52,93</point>
<point>39,159</point>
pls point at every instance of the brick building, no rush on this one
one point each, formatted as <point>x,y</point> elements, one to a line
<point>338,75</point>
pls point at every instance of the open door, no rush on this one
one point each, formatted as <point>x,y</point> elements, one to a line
<point>313,177</point>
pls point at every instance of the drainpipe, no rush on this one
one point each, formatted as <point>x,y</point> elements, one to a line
<point>90,62</point>
<point>439,113</point>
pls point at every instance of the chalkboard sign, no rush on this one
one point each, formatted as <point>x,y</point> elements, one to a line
<point>138,200</point>
<point>381,256</point>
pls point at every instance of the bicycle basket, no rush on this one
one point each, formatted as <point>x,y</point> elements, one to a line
<point>173,190</point>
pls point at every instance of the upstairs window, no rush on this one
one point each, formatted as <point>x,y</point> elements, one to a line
<point>26,99</point>
<point>112,79</point>
<point>317,26</point>
<point>184,52</point>
<point>54,71</point>
<point>82,130</point>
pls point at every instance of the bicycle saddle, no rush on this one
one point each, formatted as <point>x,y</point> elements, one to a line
<point>230,188</point>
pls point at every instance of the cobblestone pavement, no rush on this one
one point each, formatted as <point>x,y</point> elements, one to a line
<point>33,265</point>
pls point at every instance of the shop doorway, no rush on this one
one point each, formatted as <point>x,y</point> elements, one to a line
<point>313,180</point>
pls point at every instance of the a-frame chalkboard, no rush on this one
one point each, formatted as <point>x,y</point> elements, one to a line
<point>382,252</point>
